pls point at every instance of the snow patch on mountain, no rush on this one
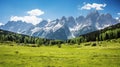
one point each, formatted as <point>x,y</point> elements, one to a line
<point>102,26</point>
<point>36,29</point>
<point>64,28</point>
<point>56,27</point>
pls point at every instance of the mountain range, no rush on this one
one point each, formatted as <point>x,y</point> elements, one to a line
<point>64,28</point>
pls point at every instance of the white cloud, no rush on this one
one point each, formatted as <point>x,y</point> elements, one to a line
<point>32,17</point>
<point>35,12</point>
<point>1,24</point>
<point>117,18</point>
<point>28,19</point>
<point>118,13</point>
<point>96,6</point>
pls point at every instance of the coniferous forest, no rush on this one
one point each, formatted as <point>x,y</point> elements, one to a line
<point>20,38</point>
<point>111,32</point>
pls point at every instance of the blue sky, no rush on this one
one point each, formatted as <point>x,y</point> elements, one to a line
<point>55,8</point>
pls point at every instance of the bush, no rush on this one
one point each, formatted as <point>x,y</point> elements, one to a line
<point>11,45</point>
<point>33,45</point>
<point>113,40</point>
<point>16,52</point>
<point>59,45</point>
<point>94,44</point>
<point>88,44</point>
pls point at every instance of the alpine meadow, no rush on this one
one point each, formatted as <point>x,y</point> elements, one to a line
<point>59,33</point>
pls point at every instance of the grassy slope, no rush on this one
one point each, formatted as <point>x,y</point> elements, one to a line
<point>106,55</point>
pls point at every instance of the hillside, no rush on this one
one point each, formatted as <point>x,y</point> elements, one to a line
<point>111,32</point>
<point>20,38</point>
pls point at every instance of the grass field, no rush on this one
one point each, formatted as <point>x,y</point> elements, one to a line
<point>105,54</point>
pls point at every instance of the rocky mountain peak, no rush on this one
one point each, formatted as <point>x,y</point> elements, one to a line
<point>64,28</point>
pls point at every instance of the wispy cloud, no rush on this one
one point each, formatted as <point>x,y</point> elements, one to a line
<point>32,17</point>
<point>95,6</point>
<point>35,12</point>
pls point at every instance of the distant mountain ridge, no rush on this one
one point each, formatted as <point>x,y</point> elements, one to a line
<point>16,26</point>
<point>64,28</point>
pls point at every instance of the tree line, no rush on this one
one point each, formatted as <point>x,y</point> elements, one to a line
<point>19,38</point>
<point>112,32</point>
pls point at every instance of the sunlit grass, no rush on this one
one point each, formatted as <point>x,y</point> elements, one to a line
<point>104,54</point>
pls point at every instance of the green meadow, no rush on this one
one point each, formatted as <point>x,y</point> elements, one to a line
<point>103,54</point>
